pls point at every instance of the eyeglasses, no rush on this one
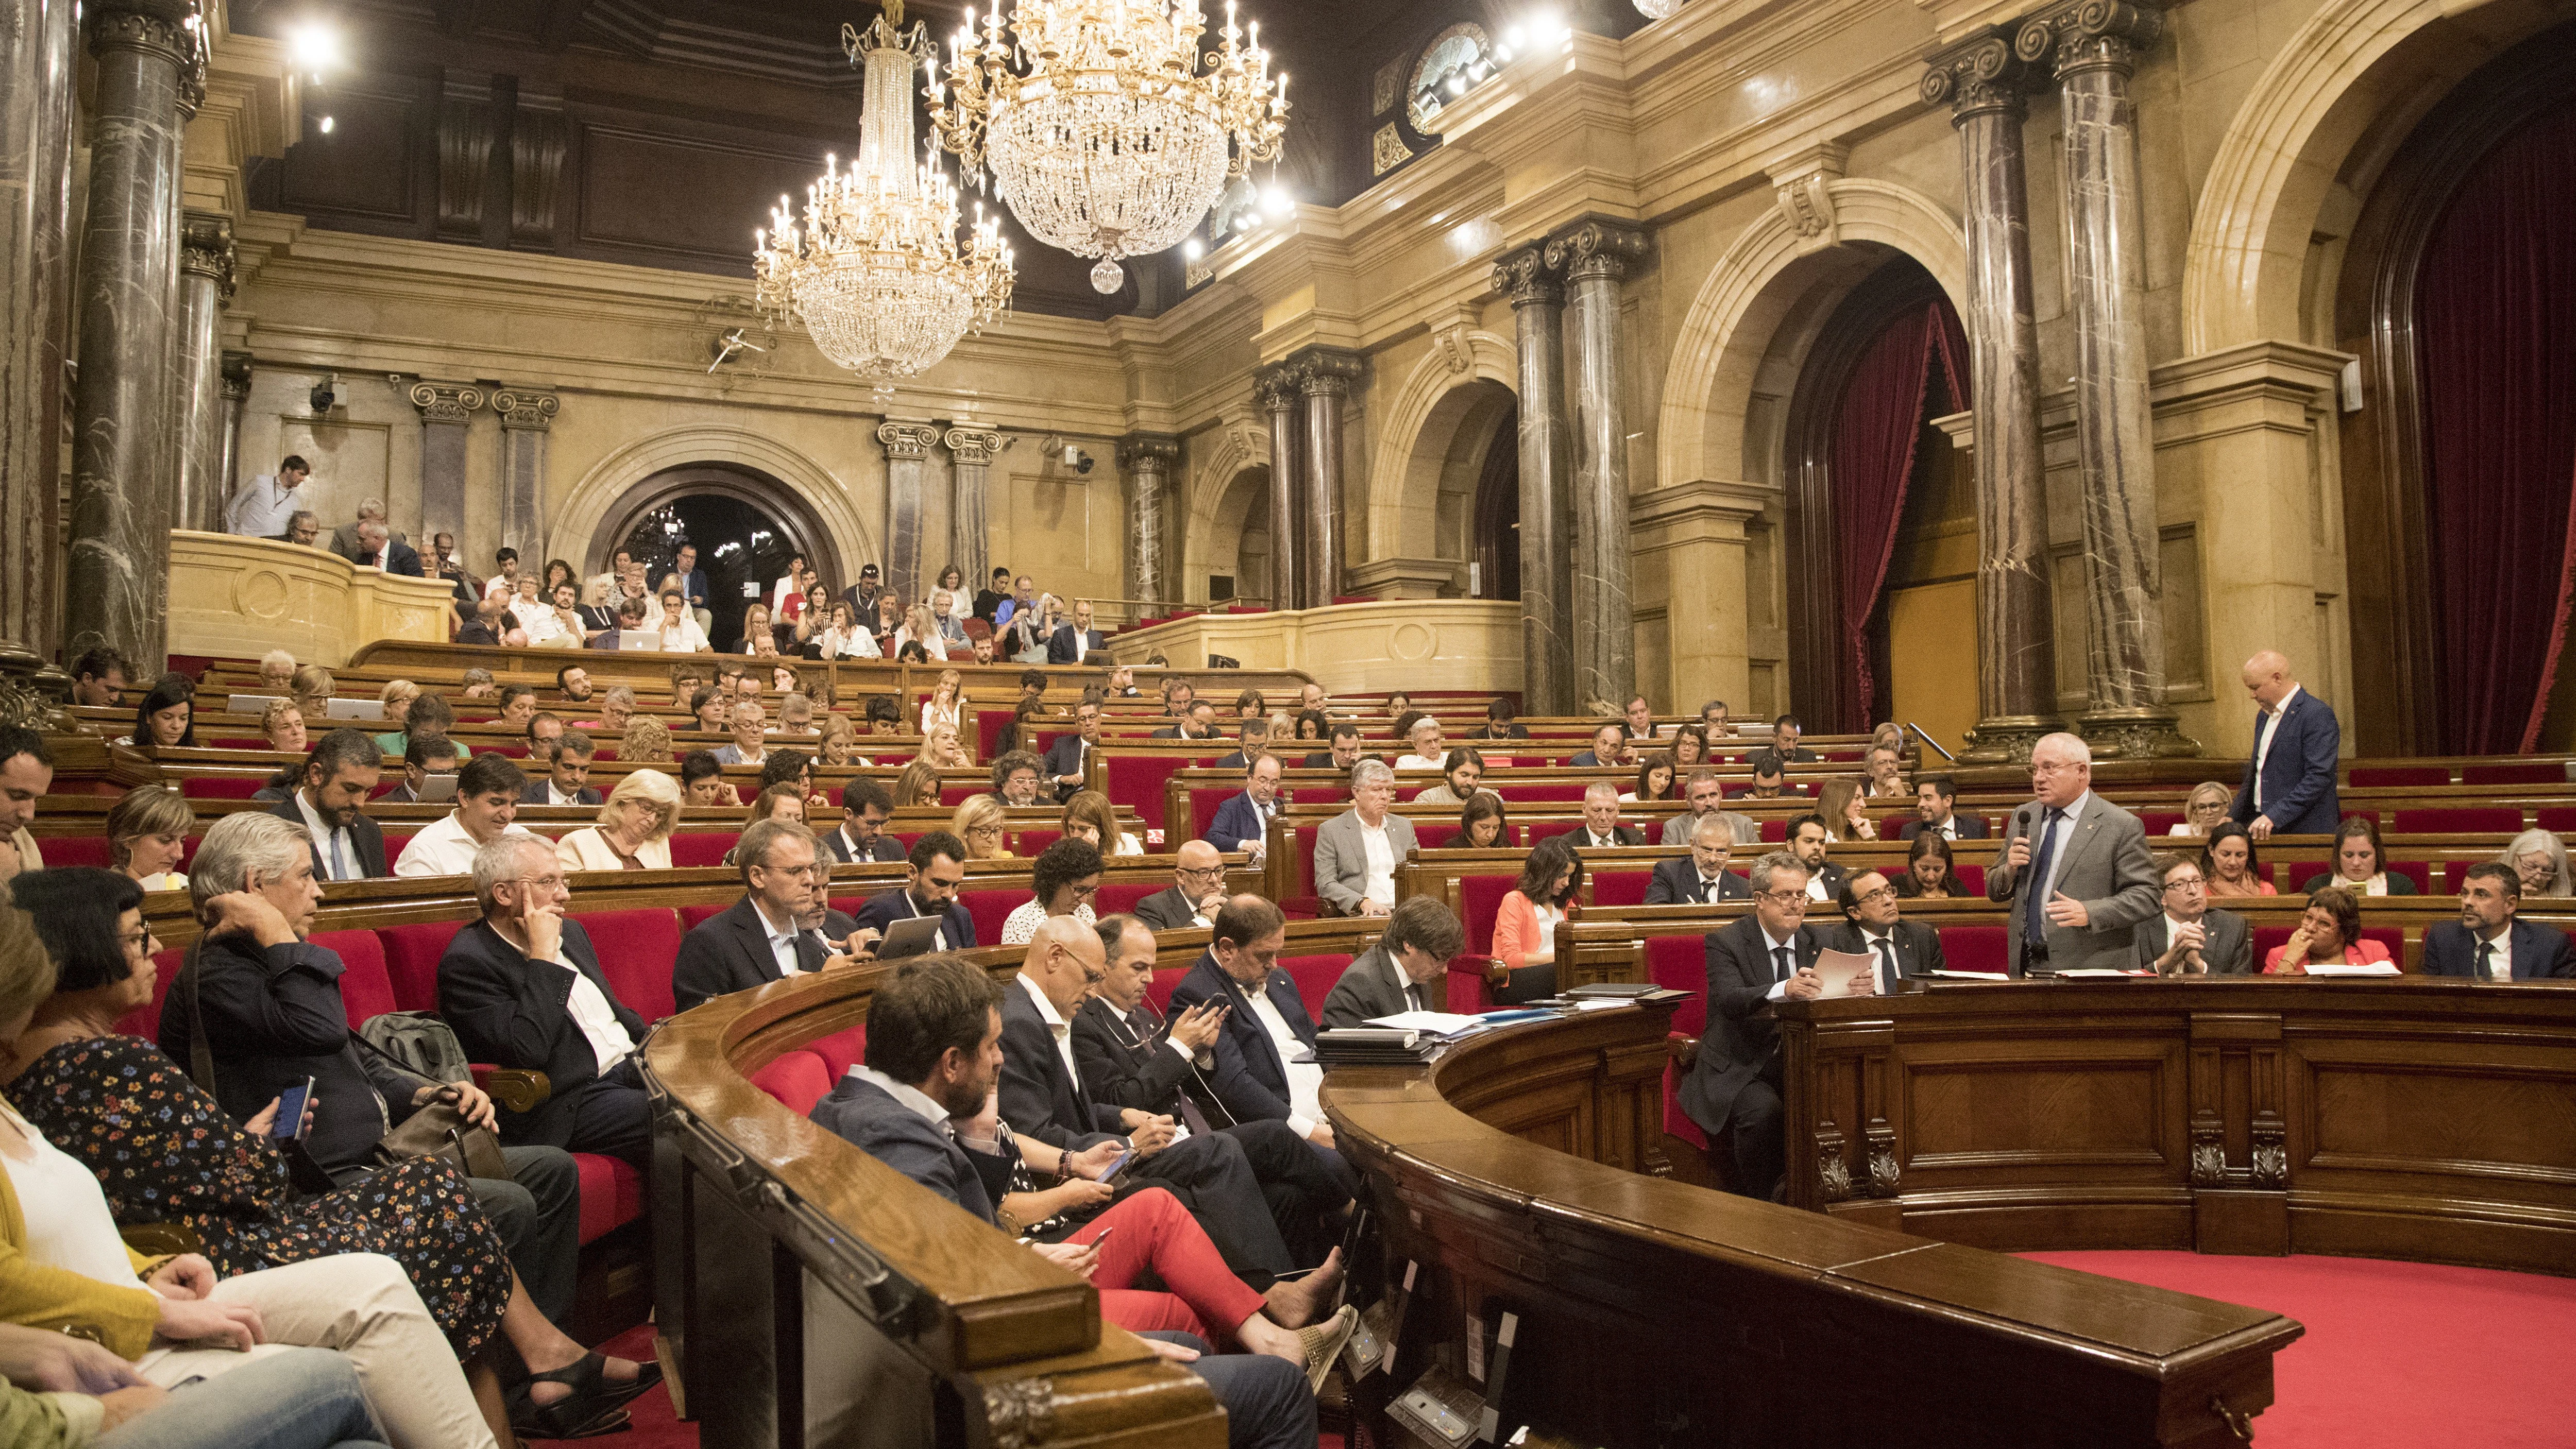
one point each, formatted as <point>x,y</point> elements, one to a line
<point>541,882</point>
<point>137,942</point>
<point>1785,898</point>
<point>1871,898</point>
<point>2186,883</point>
<point>1086,892</point>
<point>1200,873</point>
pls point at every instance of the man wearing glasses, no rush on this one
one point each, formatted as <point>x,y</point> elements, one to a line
<point>2187,938</point>
<point>760,938</point>
<point>1196,894</point>
<point>2075,867</point>
<point>1753,961</point>
<point>1874,927</point>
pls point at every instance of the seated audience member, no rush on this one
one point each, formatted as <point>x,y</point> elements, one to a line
<point>1706,794</point>
<point>1394,976</point>
<point>147,832</point>
<point>616,711</point>
<point>424,756</point>
<point>1248,704</point>
<point>1484,823</point>
<point>518,705</point>
<point>1883,772</point>
<point>1637,721</point>
<point>1733,1088</point>
<point>522,988</point>
<point>1022,731</point>
<point>634,829</point>
<point>1935,812</point>
<point>750,728</point>
<point>2488,943</point>
<point>1874,925</point>
<point>796,715</point>
<point>1198,723</point>
<point>478,684</point>
<point>1768,783</point>
<point>567,780</point>
<point>702,782</point>
<point>917,787</point>
<point>757,939</point>
<point>774,802</point>
<point>947,702</point>
<point>75,1391</point>
<point>1462,775</point>
<point>981,823</point>
<point>839,743</point>
<point>711,711</point>
<point>1713,718</point>
<point>1525,924</point>
<point>2202,811</point>
<point>1931,872</point>
<point>1783,749</point>
<point>98,678</point>
<point>792,768</point>
<point>1398,705</point>
<point>427,714</point>
<point>2227,861</point>
<point>861,837</point>
<point>2361,863</point>
<point>381,550</point>
<point>2187,938</point>
<point>1344,752</point>
<point>487,805</point>
<point>1090,817</point>
<point>934,1059</point>
<point>545,731</point>
<point>1015,779</point>
<point>1068,760</point>
<point>1499,723</point>
<point>1254,737</point>
<point>1701,877</point>
<point>488,623</point>
<point>1846,812</point>
<point>632,615</point>
<point>26,773</point>
<point>1309,726</point>
<point>330,807</point>
<point>276,671</point>
<point>943,748</point>
<point>1427,753</point>
<point>167,718</point>
<point>1196,894</point>
<point>1654,780</point>
<point>1065,878</point>
<point>1807,841</point>
<point>572,682</point>
<point>1690,749</point>
<point>2540,860</point>
<point>1257,1075</point>
<point>2328,934</point>
<point>1609,747</point>
<point>394,700</point>
<point>1071,641</point>
<point>282,724</point>
<point>647,742</point>
<point>1243,821</point>
<point>679,627</point>
<point>937,868</point>
<point>1601,828</point>
<point>1357,851</point>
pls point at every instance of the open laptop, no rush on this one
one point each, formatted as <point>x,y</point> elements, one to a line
<point>250,703</point>
<point>910,937</point>
<point>646,640</point>
<point>440,786</point>
<point>366,709</point>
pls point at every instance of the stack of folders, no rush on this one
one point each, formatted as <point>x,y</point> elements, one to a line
<point>1373,1046</point>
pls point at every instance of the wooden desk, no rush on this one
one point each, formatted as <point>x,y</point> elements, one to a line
<point>1658,1313</point>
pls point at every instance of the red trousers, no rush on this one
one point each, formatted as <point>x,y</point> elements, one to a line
<point>1154,1231</point>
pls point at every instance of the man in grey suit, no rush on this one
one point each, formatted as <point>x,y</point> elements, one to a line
<point>1707,796</point>
<point>1357,851</point>
<point>2187,938</point>
<point>1391,976</point>
<point>2091,880</point>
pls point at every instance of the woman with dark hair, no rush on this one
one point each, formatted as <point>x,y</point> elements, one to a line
<point>1484,824</point>
<point>1930,872</point>
<point>558,573</point>
<point>1066,876</point>
<point>167,718</point>
<point>702,782</point>
<point>1462,776</point>
<point>711,711</point>
<point>2228,865</point>
<point>2360,863</point>
<point>1525,925</point>
<point>2329,934</point>
<point>789,767</point>
<point>1314,724</point>
<point>1690,749</point>
<point>1654,778</point>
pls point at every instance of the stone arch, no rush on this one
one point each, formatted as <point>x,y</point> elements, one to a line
<point>1435,400</point>
<point>1775,285</point>
<point>806,492</point>
<point>1210,532</point>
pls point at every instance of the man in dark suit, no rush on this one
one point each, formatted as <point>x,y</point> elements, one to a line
<point>1768,783</point>
<point>522,988</point>
<point>567,780</point>
<point>1601,828</point>
<point>485,625</point>
<point>330,807</point>
<point>2187,938</point>
<point>1243,822</point>
<point>1254,735</point>
<point>2094,879</point>
<point>2488,943</point>
<point>1268,1024</point>
<point>1072,641</point>
<point>1700,877</point>
<point>1807,843</point>
<point>1391,977</point>
<point>865,809</point>
<point>1344,754</point>
<point>1068,760</point>
<point>1783,750</point>
<point>2290,777</point>
<point>1753,961</point>
<point>1198,722</point>
<point>1195,895</point>
<point>1933,798</point>
<point>938,868</point>
<point>381,550</point>
<point>757,939</point>
<point>1874,926</point>
<point>423,756</point>
<point>1499,724</point>
<point>1609,747</point>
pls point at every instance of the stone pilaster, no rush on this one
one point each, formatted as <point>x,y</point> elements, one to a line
<point>1147,459</point>
<point>1595,256</point>
<point>907,447</point>
<point>970,470</point>
<point>1986,84</point>
<point>1276,388</point>
<point>1324,378</point>
<point>39,64</point>
<point>236,374</point>
<point>124,485</point>
<point>446,419</point>
<point>1547,513</point>
<point>527,417</point>
<point>205,290</point>
<point>2092,47</point>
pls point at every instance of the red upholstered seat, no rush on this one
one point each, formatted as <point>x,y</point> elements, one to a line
<point>1521,793</point>
<point>411,960</point>
<point>240,742</point>
<point>366,991</point>
<point>2460,820</point>
<point>846,905</point>
<point>1120,897</point>
<point>1204,803</point>
<point>1479,898</point>
<point>221,787</point>
<point>2531,772</point>
<point>1971,876</point>
<point>691,917</point>
<point>612,1194</point>
<point>841,1050</point>
<point>63,850</point>
<point>395,840</point>
<point>956,795</point>
<point>2555,818</point>
<point>699,848</point>
<point>1680,963</point>
<point>1434,834</point>
<point>989,909</point>
<point>1314,976</point>
<point>908,838</point>
<point>1775,831</point>
<point>1135,782</point>
<point>1976,948</point>
<point>636,951</point>
<point>1538,830</point>
<point>1033,841</point>
<point>2371,776</point>
<point>1619,887</point>
<point>2159,824</point>
<point>1467,991</point>
<point>798,1079</point>
<point>1166,981</point>
<point>145,1021</point>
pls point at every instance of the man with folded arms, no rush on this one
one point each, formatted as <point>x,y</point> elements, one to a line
<point>1874,926</point>
<point>2187,938</point>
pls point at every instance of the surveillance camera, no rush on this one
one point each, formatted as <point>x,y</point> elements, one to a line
<point>323,398</point>
<point>1082,463</point>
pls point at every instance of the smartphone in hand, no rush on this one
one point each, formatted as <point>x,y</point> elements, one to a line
<point>289,1125</point>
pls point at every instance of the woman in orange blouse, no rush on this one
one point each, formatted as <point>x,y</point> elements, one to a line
<point>2228,863</point>
<point>1525,925</point>
<point>2329,934</point>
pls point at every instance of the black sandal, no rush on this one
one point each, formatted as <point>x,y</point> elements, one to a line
<point>594,1395</point>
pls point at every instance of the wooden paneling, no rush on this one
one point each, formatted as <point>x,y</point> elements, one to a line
<point>370,173</point>
<point>630,182</point>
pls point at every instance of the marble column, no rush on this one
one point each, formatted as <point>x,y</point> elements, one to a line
<point>124,487</point>
<point>1547,511</point>
<point>970,470</point>
<point>527,419</point>
<point>1147,459</point>
<point>1985,83</point>
<point>39,65</point>
<point>236,373</point>
<point>1276,388</point>
<point>2093,46</point>
<point>446,421</point>
<point>907,447</point>
<point>205,290</point>
<point>1324,378</point>
<point>1595,256</point>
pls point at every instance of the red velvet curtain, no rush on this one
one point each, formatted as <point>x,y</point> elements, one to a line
<point>2495,326</point>
<point>1883,409</point>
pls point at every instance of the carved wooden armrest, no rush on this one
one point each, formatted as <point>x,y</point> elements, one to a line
<point>1682,1048</point>
<point>513,1089</point>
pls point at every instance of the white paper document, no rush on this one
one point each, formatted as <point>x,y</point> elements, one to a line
<point>2371,968</point>
<point>1839,969</point>
<point>1438,1023</point>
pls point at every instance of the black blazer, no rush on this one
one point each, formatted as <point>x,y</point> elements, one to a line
<point>1067,644</point>
<point>1676,883</point>
<point>1970,827</point>
<point>1366,991</point>
<point>1580,837</point>
<point>1833,876</point>
<point>868,1117</point>
<point>535,794</point>
<point>366,837</point>
<point>884,910</point>
<point>1125,1063</point>
<point>1038,1098</point>
<point>729,953</point>
<point>1918,946</point>
<point>1168,910</point>
<point>1766,756</point>
<point>1064,757</point>
<point>885,849</point>
<point>514,1012</point>
<point>1742,1036</point>
<point>1251,1079</point>
<point>1323,760</point>
<point>2539,952</point>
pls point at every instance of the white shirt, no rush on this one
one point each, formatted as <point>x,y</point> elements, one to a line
<point>69,1225</point>
<point>1816,886</point>
<point>782,941</point>
<point>1948,829</point>
<point>596,1018</point>
<point>2263,747</point>
<point>538,619</point>
<point>555,796</point>
<point>507,588</point>
<point>1880,968</point>
<point>1418,762</point>
<point>1771,960</point>
<point>262,509</point>
<point>1057,1027</point>
<point>1380,886</point>
<point>684,637</point>
<point>857,644</point>
<point>443,848</point>
<point>931,643</point>
<point>345,865</point>
<point>2499,965</point>
<point>1303,1077</point>
<point>1547,917</point>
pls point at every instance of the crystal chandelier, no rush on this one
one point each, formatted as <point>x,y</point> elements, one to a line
<point>1658,9</point>
<point>1112,143</point>
<point>876,270</point>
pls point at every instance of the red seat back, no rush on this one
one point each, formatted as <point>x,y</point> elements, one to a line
<point>1434,834</point>
<point>1033,841</point>
<point>366,991</point>
<point>2159,823</point>
<point>1203,805</point>
<point>221,787</point>
<point>841,1050</point>
<point>636,952</point>
<point>2460,820</point>
<point>1976,948</point>
<point>1680,963</point>
<point>1167,980</point>
<point>691,917</point>
<point>1775,831</point>
<point>798,1079</point>
<point>64,850</point>
<point>1314,976</point>
<point>1971,876</point>
<point>1538,830</point>
<point>411,955</point>
<point>2529,772</point>
<point>2558,819</point>
<point>1120,897</point>
<point>990,909</point>
<point>1619,887</point>
<point>1552,792</point>
<point>1479,898</point>
<point>145,1021</point>
<point>698,848</point>
<point>2365,777</point>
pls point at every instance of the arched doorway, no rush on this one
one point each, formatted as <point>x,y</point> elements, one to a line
<point>1236,564</point>
<point>1497,555</point>
<point>745,524</point>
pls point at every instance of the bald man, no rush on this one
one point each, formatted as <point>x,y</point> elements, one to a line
<point>2290,778</point>
<point>1197,891</point>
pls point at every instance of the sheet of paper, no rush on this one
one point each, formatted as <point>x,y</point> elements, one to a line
<point>2373,968</point>
<point>2096,972</point>
<point>1438,1023</point>
<point>1839,969</point>
<point>1597,1004</point>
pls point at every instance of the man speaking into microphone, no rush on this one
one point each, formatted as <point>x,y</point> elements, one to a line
<point>2075,867</point>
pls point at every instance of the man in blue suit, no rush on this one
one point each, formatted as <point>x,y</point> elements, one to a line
<point>1243,823</point>
<point>2290,778</point>
<point>2487,943</point>
<point>938,862</point>
<point>1255,1076</point>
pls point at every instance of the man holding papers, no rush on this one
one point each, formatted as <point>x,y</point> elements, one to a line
<point>1395,975</point>
<point>1753,961</point>
<point>1873,927</point>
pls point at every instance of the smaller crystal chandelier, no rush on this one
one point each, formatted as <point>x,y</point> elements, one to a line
<point>1112,143</point>
<point>1657,9</point>
<point>876,271</point>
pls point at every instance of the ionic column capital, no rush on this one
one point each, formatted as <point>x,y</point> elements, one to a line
<point>910,442</point>
<point>526,407</point>
<point>1596,248</point>
<point>1148,452</point>
<point>974,447</point>
<point>1530,277</point>
<point>446,402</point>
<point>1327,371</point>
<point>1980,76</point>
<point>2080,35</point>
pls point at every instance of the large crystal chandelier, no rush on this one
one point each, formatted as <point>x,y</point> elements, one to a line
<point>876,270</point>
<point>1111,143</point>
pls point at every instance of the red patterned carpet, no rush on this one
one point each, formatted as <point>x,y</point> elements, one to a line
<point>2399,1355</point>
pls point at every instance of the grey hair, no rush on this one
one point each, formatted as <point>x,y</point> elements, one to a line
<point>619,694</point>
<point>752,848</point>
<point>1371,772</point>
<point>372,508</point>
<point>2071,747</point>
<point>795,706</point>
<point>277,656</point>
<point>2547,843</point>
<point>1771,864</point>
<point>1600,787</point>
<point>497,860</point>
<point>1713,820</point>
<point>239,846</point>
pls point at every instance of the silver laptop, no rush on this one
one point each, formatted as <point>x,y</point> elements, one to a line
<point>441,786</point>
<point>250,703</point>
<point>646,640</point>
<point>910,937</point>
<point>366,709</point>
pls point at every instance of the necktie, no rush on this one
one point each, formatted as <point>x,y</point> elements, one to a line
<point>2486,960</point>
<point>339,857</point>
<point>2034,895</point>
<point>1887,957</point>
<point>1781,963</point>
<point>1412,997</point>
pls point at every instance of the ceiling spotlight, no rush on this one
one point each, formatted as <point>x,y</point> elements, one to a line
<point>1192,250</point>
<point>1280,202</point>
<point>313,48</point>
<point>325,125</point>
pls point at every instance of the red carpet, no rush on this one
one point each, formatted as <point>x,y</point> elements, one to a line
<point>654,1427</point>
<point>2396,1354</point>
